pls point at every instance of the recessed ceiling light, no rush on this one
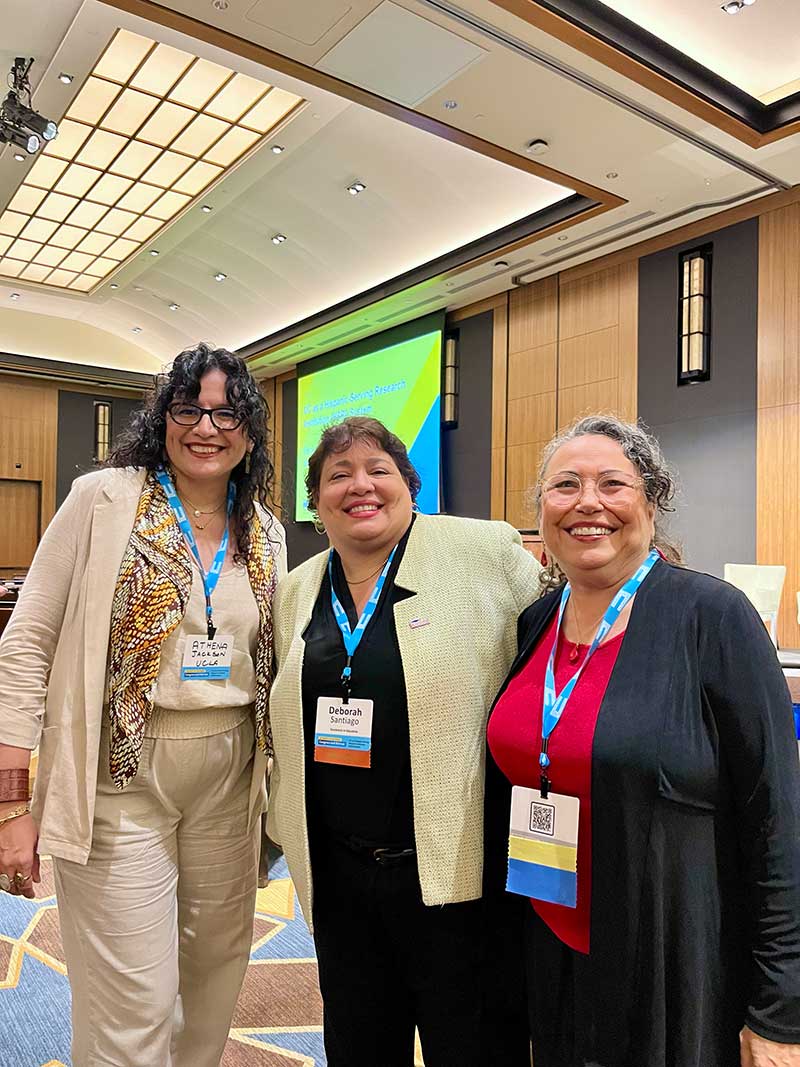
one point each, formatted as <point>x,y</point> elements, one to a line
<point>356,187</point>
<point>279,238</point>
<point>114,286</point>
<point>537,147</point>
<point>136,329</point>
<point>278,148</point>
<point>66,79</point>
<point>733,7</point>
<point>153,251</point>
<point>450,105</point>
<point>174,307</point>
<point>501,263</point>
<point>206,208</point>
<point>563,237</point>
<point>138,289</point>
<point>612,174</point>
<point>220,277</point>
<point>220,5</point>
<point>14,296</point>
<point>19,157</point>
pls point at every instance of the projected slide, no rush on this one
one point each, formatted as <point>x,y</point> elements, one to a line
<point>398,384</point>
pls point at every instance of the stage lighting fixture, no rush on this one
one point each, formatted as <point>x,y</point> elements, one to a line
<point>19,123</point>
<point>21,138</point>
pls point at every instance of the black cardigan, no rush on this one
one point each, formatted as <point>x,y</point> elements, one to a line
<point>695,916</point>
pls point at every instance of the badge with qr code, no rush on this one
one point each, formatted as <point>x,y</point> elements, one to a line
<point>543,846</point>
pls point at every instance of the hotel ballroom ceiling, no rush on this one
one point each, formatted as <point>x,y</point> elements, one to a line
<point>430,105</point>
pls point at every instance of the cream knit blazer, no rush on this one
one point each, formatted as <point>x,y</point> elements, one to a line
<point>472,579</point>
<point>54,651</point>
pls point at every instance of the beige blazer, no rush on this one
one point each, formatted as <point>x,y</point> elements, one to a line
<point>472,579</point>
<point>54,650</point>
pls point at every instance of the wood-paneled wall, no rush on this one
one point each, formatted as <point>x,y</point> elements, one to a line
<point>571,350</point>
<point>28,433</point>
<point>597,344</point>
<point>28,452</point>
<point>532,390</point>
<point>778,466</point>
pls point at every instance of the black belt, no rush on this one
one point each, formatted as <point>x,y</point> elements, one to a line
<point>379,854</point>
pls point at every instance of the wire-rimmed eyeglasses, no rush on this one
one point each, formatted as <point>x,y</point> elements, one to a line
<point>191,414</point>
<point>612,487</point>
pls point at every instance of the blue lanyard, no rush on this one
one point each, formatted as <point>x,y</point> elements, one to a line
<point>352,639</point>
<point>212,577</point>
<point>553,705</point>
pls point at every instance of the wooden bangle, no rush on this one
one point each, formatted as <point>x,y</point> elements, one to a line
<point>14,784</point>
<point>8,796</point>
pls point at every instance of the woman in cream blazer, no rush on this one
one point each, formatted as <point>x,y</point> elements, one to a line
<point>149,788</point>
<point>387,859</point>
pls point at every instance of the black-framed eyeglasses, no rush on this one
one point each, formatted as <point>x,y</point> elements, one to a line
<point>191,414</point>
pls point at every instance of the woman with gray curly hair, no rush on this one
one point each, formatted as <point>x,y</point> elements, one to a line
<point>646,730</point>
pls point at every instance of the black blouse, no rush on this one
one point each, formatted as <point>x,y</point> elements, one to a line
<point>374,805</point>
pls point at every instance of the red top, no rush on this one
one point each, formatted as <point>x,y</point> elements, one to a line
<point>515,741</point>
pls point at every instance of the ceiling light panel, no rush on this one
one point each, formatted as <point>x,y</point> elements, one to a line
<point>150,130</point>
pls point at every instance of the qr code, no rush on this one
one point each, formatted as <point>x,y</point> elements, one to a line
<point>543,818</point>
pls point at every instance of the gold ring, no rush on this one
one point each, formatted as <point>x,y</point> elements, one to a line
<point>5,883</point>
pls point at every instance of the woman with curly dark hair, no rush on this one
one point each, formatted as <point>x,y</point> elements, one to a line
<point>139,660</point>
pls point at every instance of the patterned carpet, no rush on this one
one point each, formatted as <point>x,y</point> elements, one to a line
<point>278,1020</point>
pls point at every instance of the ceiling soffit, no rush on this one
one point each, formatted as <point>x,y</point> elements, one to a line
<point>605,35</point>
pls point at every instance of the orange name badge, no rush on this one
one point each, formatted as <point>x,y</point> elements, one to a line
<point>343,732</point>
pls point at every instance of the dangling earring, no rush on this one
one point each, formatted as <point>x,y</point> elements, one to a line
<point>544,560</point>
<point>319,525</point>
<point>247,463</point>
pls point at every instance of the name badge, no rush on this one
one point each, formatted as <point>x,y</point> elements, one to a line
<point>205,660</point>
<point>543,846</point>
<point>343,732</point>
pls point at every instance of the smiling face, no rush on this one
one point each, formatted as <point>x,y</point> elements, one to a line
<point>364,501</point>
<point>202,453</point>
<point>592,536</point>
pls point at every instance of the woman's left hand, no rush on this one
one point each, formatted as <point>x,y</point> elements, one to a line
<point>758,1052</point>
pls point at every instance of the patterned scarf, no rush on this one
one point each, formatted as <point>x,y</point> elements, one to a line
<point>152,591</point>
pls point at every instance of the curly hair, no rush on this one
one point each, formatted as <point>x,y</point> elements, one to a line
<point>341,435</point>
<point>644,452</point>
<point>142,443</point>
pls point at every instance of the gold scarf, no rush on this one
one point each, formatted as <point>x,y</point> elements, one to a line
<point>150,598</point>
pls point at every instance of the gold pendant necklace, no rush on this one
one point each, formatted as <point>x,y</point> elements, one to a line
<point>197,512</point>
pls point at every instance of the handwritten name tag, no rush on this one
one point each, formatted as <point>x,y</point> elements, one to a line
<point>205,660</point>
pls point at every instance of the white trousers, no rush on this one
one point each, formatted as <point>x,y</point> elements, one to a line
<point>157,926</point>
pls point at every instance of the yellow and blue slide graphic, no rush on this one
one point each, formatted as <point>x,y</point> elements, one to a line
<point>400,384</point>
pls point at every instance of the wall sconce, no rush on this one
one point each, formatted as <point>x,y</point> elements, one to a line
<point>450,381</point>
<point>694,316</point>
<point>102,430</point>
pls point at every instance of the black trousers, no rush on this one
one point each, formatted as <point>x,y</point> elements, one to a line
<point>388,964</point>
